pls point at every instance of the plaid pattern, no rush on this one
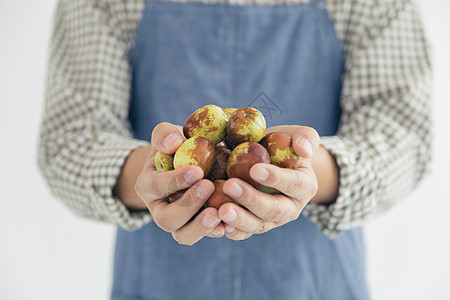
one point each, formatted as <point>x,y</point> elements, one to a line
<point>382,147</point>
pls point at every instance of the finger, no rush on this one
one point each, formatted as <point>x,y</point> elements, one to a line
<point>305,141</point>
<point>300,184</point>
<point>273,208</point>
<point>218,231</point>
<point>288,129</point>
<point>235,234</point>
<point>167,137</point>
<point>242,219</point>
<point>172,216</point>
<point>154,185</point>
<point>201,226</point>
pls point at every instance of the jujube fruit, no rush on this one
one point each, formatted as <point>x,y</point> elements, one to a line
<point>229,111</point>
<point>219,167</point>
<point>279,146</point>
<point>243,157</point>
<point>246,124</point>
<point>197,151</point>
<point>176,196</point>
<point>209,121</point>
<point>163,162</point>
<point>218,197</point>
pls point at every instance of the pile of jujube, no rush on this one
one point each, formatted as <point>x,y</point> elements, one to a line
<point>226,143</point>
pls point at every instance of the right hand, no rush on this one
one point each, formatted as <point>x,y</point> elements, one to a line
<point>153,187</point>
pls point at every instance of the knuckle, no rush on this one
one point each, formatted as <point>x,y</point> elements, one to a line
<point>292,186</point>
<point>148,188</point>
<point>249,199</point>
<point>163,221</point>
<point>275,213</point>
<point>155,188</point>
<point>263,227</point>
<point>138,188</point>
<point>274,175</point>
<point>308,186</point>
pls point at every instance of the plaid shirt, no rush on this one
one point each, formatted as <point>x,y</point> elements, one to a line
<point>382,147</point>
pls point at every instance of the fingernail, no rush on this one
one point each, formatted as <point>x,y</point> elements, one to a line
<point>202,192</point>
<point>229,229</point>
<point>209,221</point>
<point>235,190</point>
<point>305,144</point>
<point>230,216</point>
<point>170,140</point>
<point>261,174</point>
<point>191,178</point>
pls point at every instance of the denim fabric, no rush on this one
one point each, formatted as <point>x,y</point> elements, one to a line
<point>285,60</point>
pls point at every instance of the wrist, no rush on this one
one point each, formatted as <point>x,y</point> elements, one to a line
<point>327,173</point>
<point>125,186</point>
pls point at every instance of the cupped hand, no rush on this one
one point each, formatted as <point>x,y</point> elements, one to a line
<point>153,187</point>
<point>262,211</point>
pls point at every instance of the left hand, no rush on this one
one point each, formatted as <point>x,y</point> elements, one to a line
<point>265,211</point>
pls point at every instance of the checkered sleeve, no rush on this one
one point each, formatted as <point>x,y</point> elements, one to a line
<point>383,145</point>
<point>85,136</point>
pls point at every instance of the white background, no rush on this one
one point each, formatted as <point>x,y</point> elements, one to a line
<point>48,253</point>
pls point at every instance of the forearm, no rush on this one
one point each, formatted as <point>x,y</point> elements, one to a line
<point>327,173</point>
<point>125,187</point>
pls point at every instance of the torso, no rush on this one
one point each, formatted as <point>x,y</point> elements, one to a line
<point>283,59</point>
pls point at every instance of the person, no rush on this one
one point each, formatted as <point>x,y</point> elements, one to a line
<point>123,75</point>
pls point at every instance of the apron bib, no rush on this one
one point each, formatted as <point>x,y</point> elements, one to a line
<point>284,60</point>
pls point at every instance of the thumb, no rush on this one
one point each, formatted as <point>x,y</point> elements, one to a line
<point>305,141</point>
<point>167,137</point>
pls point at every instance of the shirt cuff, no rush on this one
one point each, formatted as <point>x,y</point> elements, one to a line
<point>106,164</point>
<point>356,196</point>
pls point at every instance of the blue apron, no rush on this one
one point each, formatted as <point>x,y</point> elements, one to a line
<point>285,60</point>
